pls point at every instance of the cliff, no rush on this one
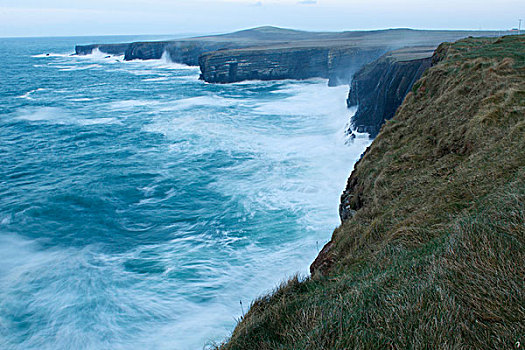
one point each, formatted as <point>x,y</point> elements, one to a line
<point>112,49</point>
<point>379,87</point>
<point>276,53</point>
<point>185,52</point>
<point>429,253</point>
<point>337,63</point>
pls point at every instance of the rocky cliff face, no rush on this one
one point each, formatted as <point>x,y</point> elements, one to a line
<point>335,63</point>
<point>112,49</point>
<point>145,51</point>
<point>380,86</point>
<point>263,64</point>
<point>185,52</point>
<point>344,62</point>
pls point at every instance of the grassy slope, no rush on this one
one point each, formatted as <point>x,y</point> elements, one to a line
<point>434,257</point>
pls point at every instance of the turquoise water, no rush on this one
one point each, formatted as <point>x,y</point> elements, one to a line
<point>139,205</point>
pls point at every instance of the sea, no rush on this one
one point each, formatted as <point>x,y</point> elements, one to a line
<point>142,208</point>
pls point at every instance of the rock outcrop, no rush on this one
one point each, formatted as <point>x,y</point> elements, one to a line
<point>379,87</point>
<point>185,52</point>
<point>112,49</point>
<point>272,63</point>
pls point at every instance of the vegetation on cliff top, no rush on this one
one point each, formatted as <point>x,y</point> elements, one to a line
<point>434,255</point>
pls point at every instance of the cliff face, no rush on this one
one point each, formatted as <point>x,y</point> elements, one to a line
<point>145,51</point>
<point>190,52</point>
<point>185,52</point>
<point>267,64</point>
<point>343,62</point>
<point>380,87</point>
<point>112,49</point>
<point>335,63</point>
<point>429,252</point>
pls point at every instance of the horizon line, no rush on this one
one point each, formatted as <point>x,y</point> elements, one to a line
<point>190,34</point>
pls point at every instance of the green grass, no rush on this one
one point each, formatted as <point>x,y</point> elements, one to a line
<point>434,256</point>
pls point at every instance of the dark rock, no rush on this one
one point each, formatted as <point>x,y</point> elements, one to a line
<point>189,52</point>
<point>380,87</point>
<point>145,51</point>
<point>344,62</point>
<point>337,64</point>
<point>263,64</point>
<point>112,49</point>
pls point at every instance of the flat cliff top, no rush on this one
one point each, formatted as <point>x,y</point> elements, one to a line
<point>411,53</point>
<point>432,256</point>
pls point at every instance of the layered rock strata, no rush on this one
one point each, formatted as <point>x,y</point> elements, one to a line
<point>379,87</point>
<point>334,63</point>
<point>112,49</point>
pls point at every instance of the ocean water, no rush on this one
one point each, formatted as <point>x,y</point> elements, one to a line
<point>139,206</point>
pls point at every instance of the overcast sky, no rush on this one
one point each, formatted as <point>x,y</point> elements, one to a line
<point>99,17</point>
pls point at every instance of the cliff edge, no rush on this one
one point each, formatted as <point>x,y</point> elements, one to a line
<point>379,87</point>
<point>430,255</point>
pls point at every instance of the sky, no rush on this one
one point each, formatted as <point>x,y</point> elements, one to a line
<point>113,17</point>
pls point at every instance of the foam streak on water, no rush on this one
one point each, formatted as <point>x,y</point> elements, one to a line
<point>139,205</point>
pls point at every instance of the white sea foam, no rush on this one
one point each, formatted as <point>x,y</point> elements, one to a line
<point>95,121</point>
<point>82,99</point>
<point>52,54</point>
<point>164,62</point>
<point>6,220</point>
<point>199,102</point>
<point>99,56</point>
<point>96,289</point>
<point>43,114</point>
<point>306,99</point>
<point>308,134</point>
<point>54,115</point>
<point>162,69</point>
<point>131,104</point>
<point>75,68</point>
<point>27,95</point>
<point>156,79</point>
<point>166,105</point>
